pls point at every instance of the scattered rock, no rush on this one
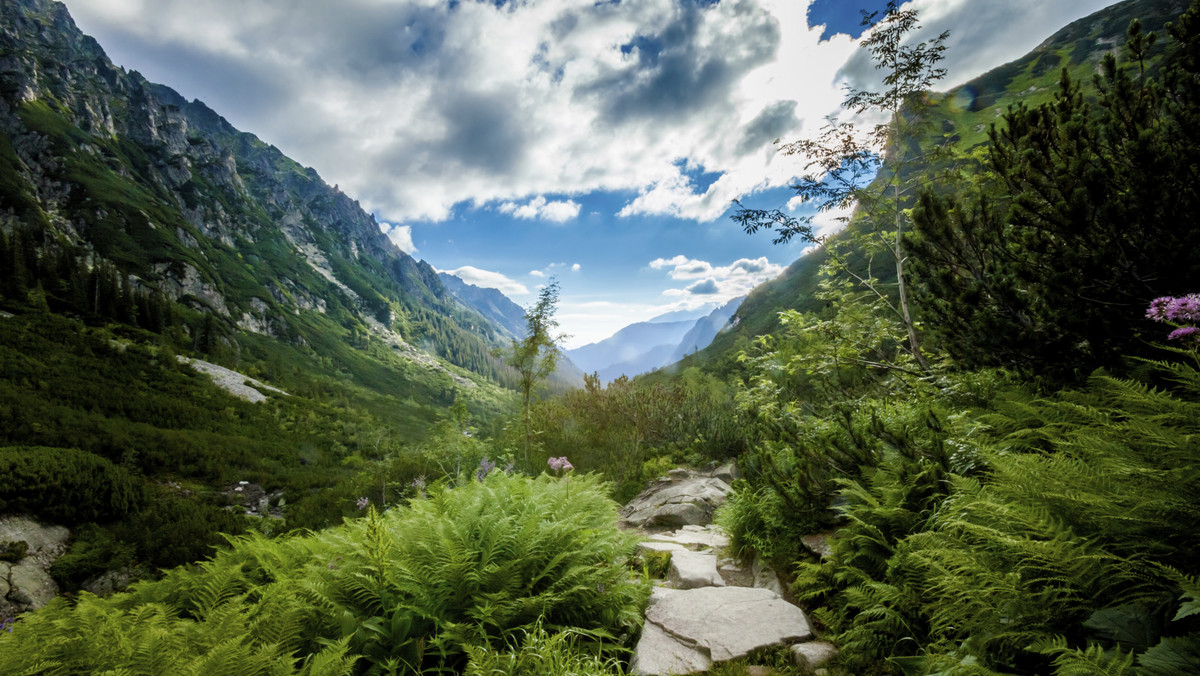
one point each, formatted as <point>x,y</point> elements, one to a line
<point>686,631</point>
<point>814,654</point>
<point>231,381</point>
<point>690,570</point>
<point>765,577</point>
<point>680,500</point>
<point>25,585</point>
<point>661,547</point>
<point>759,670</point>
<point>818,543</point>
<point>728,472</point>
<point>113,581</point>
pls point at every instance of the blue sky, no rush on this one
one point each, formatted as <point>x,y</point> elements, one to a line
<point>598,142</point>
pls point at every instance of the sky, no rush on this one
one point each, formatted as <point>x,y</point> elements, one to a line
<point>600,143</point>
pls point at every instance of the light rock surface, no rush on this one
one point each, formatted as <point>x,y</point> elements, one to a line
<point>814,654</point>
<point>676,501</point>
<point>765,577</point>
<point>235,383</point>
<point>689,536</point>
<point>686,631</point>
<point>26,585</point>
<point>690,570</point>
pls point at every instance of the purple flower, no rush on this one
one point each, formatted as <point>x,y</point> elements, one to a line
<point>363,502</point>
<point>1158,308</point>
<point>1187,332</point>
<point>560,463</point>
<point>6,624</point>
<point>419,483</point>
<point>1185,308</point>
<point>485,468</point>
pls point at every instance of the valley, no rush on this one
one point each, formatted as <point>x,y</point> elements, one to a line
<point>244,429</point>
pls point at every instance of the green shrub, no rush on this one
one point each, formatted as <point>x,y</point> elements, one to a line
<point>66,485</point>
<point>483,565</point>
<point>13,551</point>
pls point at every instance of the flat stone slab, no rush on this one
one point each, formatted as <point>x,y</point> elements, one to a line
<point>690,570</point>
<point>814,654</point>
<point>716,624</point>
<point>693,536</point>
<point>653,546</point>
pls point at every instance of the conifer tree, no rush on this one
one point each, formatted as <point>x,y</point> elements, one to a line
<point>536,356</point>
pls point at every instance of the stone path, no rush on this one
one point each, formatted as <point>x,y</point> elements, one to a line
<point>709,609</point>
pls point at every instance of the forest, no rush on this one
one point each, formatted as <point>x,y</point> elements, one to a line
<point>989,397</point>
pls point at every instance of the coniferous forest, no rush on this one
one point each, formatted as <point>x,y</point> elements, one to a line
<point>985,389</point>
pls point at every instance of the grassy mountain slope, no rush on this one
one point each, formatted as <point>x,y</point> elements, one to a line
<point>964,112</point>
<point>136,225</point>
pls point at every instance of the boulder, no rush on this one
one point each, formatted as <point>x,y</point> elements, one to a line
<point>813,655</point>
<point>690,570</point>
<point>25,584</point>
<point>765,576</point>
<point>686,631</point>
<point>679,500</point>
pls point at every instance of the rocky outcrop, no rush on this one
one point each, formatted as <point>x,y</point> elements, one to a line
<point>686,631</point>
<point>235,383</point>
<point>25,584</point>
<point>682,498</point>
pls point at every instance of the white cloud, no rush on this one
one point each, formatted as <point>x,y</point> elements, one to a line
<point>488,279</point>
<point>536,273</point>
<point>576,267</point>
<point>416,107</point>
<point>716,283</point>
<point>538,208</point>
<point>401,236</point>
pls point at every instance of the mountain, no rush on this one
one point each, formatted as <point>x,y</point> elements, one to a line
<point>141,233</point>
<point>646,346</point>
<point>491,303</point>
<point>965,114</point>
<point>104,166</point>
<point>628,345</point>
<point>705,330</point>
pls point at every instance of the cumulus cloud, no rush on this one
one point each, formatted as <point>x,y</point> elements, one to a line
<point>720,282</point>
<point>420,107</point>
<point>555,268</point>
<point>538,208</point>
<point>401,236</point>
<point>488,279</point>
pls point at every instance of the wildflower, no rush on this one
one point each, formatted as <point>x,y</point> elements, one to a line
<point>485,468</point>
<point>1185,308</point>
<point>363,502</point>
<point>560,463</point>
<point>1187,332</point>
<point>1158,308</point>
<point>6,624</point>
<point>419,483</point>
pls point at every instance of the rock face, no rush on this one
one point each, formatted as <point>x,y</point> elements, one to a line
<point>682,498</point>
<point>25,584</point>
<point>686,631</point>
<point>690,570</point>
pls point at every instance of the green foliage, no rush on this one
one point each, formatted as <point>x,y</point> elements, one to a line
<point>13,551</point>
<point>634,430</point>
<point>1043,264</point>
<point>1075,529</point>
<point>540,653</point>
<point>66,485</point>
<point>470,570</point>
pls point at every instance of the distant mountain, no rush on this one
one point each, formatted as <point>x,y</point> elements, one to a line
<point>629,344</point>
<point>683,315</point>
<point>490,303</point>
<point>705,330</point>
<point>646,346</point>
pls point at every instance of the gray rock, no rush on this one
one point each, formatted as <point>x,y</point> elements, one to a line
<point>661,547</point>
<point>659,653</point>
<point>676,502</point>
<point>113,581</point>
<point>31,586</point>
<point>765,576</point>
<point>813,655</point>
<point>728,472</point>
<point>46,543</point>
<point>818,543</point>
<point>691,536</point>
<point>687,631</point>
<point>690,570</point>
